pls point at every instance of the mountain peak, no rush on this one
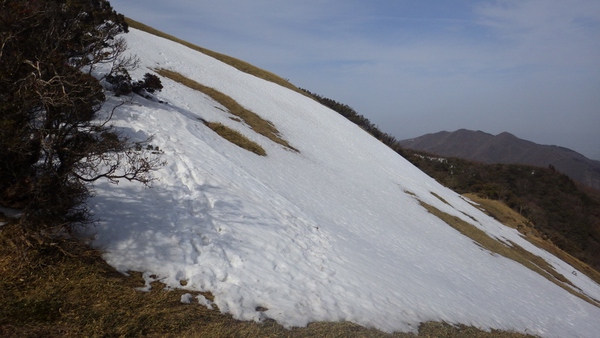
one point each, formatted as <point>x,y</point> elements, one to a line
<point>508,148</point>
<point>506,134</point>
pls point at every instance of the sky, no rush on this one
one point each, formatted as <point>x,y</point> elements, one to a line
<point>528,67</point>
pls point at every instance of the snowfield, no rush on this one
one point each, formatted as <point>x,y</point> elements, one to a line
<point>332,233</point>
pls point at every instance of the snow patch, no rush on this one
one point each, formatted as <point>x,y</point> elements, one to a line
<point>203,301</point>
<point>186,298</point>
<point>326,234</point>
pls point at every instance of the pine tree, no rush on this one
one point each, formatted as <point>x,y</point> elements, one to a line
<point>53,143</point>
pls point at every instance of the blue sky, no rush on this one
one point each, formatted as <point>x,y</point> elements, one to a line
<point>529,67</point>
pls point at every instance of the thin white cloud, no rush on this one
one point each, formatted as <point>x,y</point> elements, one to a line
<point>552,32</point>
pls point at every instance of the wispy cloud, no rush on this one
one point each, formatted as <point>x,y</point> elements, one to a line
<point>553,33</point>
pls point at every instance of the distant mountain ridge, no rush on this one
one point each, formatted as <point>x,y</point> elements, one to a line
<point>507,148</point>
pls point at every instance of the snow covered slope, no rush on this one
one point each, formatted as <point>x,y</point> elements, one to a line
<point>333,232</point>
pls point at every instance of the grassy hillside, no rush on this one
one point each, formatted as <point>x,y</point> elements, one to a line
<point>60,287</point>
<point>63,288</point>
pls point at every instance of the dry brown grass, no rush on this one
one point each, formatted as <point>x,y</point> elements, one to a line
<point>63,288</point>
<point>439,197</point>
<point>236,63</point>
<point>236,138</point>
<point>257,123</point>
<point>502,213</point>
<point>509,250</point>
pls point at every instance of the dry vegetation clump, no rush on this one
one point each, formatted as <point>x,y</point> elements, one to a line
<point>509,250</point>
<point>236,63</point>
<point>236,138</point>
<point>257,123</point>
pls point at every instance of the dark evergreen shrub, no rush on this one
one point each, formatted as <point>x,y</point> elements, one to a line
<point>120,81</point>
<point>53,142</point>
<point>150,83</point>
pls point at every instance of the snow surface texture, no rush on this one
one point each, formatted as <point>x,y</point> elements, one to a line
<point>332,233</point>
